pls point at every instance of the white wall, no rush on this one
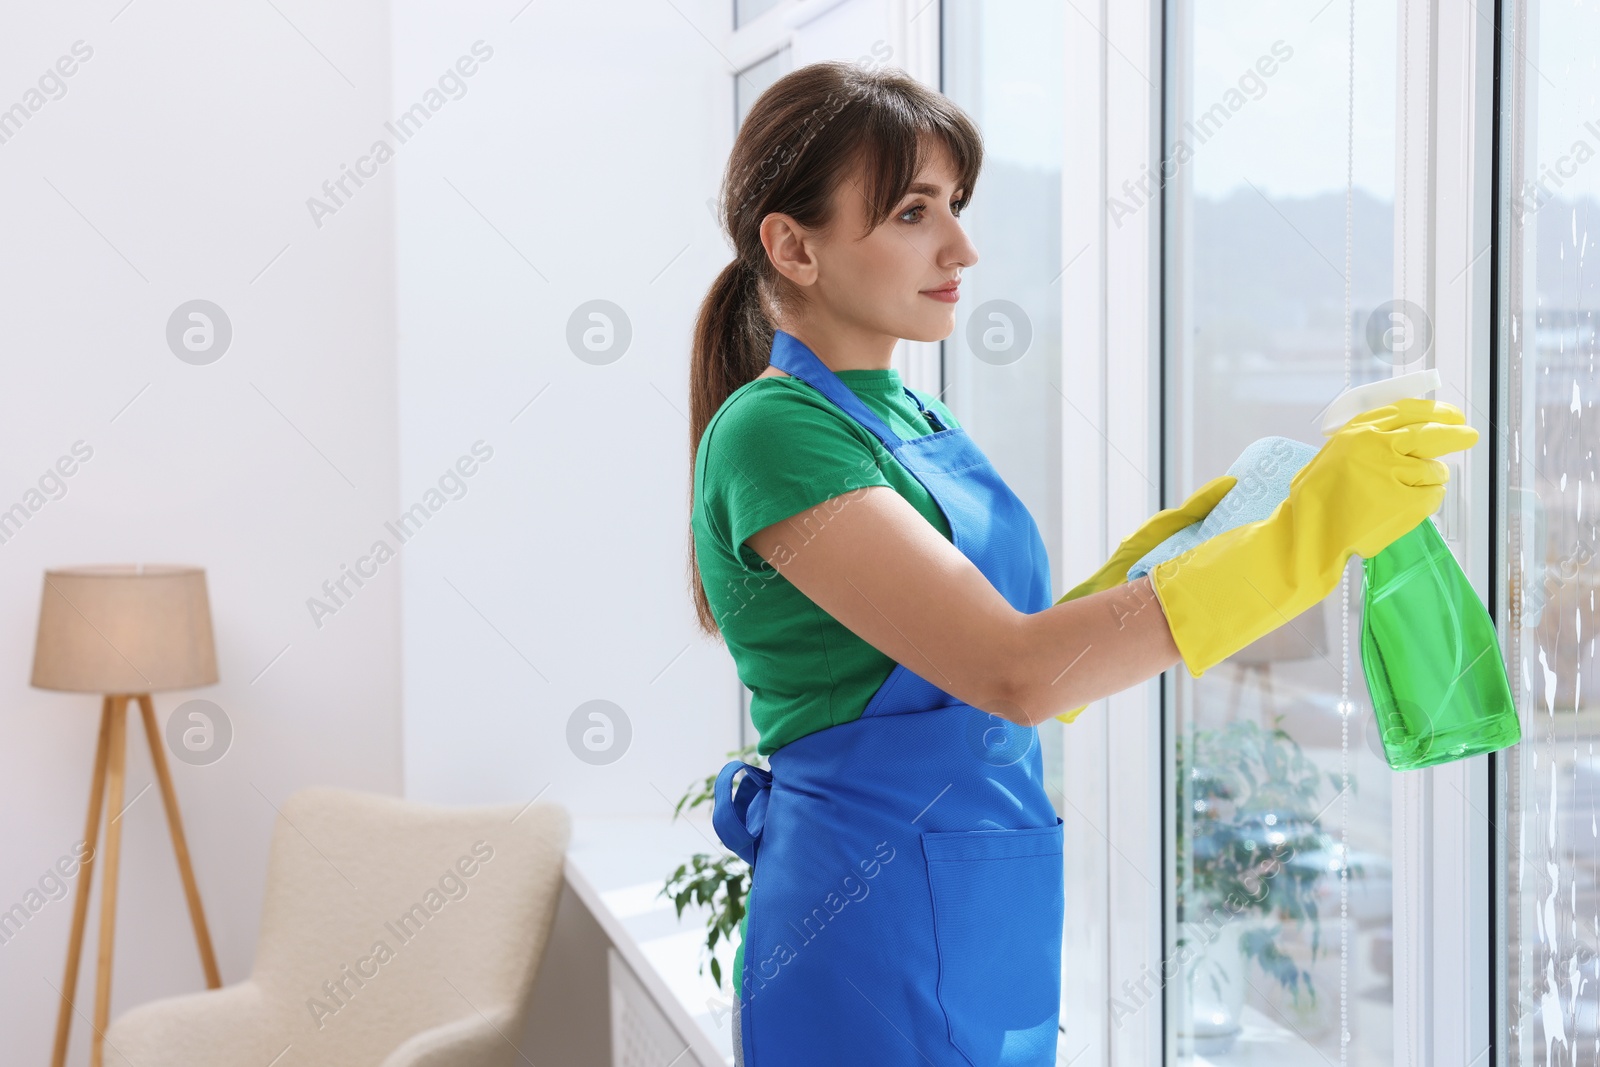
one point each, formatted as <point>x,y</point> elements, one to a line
<point>374,351</point>
<point>176,166</point>
<point>576,167</point>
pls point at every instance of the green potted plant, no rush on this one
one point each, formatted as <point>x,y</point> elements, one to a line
<point>1247,828</point>
<point>720,883</point>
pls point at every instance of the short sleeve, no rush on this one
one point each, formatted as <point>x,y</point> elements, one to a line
<point>773,453</point>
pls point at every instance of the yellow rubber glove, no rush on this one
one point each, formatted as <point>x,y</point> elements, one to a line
<point>1156,529</point>
<point>1373,481</point>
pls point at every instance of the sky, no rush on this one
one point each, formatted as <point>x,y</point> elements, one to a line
<point>1290,141</point>
<point>1288,137</point>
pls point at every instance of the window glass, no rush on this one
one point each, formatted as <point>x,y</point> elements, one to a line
<point>747,11</point>
<point>1253,187</point>
<point>1548,856</point>
<point>1003,63</point>
<point>752,81</point>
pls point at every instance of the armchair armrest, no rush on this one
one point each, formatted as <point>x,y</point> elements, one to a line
<point>476,1040</point>
<point>235,1025</point>
<point>226,1025</point>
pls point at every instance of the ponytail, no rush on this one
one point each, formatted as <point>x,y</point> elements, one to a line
<point>811,130</point>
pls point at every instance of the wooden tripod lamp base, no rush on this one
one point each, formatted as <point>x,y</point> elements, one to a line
<point>125,632</point>
<point>105,793</point>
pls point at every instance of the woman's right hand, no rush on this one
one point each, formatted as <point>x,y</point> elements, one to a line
<point>1378,476</point>
<point>1373,481</point>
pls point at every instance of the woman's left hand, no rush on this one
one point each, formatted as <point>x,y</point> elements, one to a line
<point>1156,529</point>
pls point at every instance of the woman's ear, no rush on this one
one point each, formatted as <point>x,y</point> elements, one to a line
<point>790,248</point>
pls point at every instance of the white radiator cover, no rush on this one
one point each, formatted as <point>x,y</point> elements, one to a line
<point>641,1036</point>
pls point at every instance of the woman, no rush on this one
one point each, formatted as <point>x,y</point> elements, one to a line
<point>886,597</point>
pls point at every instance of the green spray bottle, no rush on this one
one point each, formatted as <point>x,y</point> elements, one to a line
<point>1429,650</point>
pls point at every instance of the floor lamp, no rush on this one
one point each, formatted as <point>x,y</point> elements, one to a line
<point>124,632</point>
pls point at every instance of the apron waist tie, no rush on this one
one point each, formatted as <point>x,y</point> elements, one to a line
<point>740,818</point>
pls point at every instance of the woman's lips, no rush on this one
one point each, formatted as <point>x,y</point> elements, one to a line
<point>948,296</point>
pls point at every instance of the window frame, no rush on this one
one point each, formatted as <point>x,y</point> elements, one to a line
<point>1111,295</point>
<point>1443,955</point>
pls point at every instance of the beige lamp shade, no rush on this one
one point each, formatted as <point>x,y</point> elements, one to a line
<point>124,628</point>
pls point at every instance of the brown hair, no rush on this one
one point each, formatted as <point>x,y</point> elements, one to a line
<point>809,131</point>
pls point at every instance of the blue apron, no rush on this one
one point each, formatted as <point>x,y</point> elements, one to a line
<point>905,905</point>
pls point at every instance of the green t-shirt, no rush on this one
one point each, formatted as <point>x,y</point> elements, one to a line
<point>775,448</point>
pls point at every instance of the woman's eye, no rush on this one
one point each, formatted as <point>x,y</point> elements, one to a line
<point>955,209</point>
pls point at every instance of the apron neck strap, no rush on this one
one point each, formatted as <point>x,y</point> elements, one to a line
<point>790,354</point>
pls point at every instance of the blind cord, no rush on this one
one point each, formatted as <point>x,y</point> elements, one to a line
<point>1344,578</point>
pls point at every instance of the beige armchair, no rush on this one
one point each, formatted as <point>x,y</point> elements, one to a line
<point>393,933</point>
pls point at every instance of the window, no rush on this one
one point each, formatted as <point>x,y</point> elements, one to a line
<point>1212,201</point>
<point>747,11</point>
<point>752,81</point>
<point>1548,294</point>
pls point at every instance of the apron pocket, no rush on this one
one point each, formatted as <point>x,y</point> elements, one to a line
<point>997,915</point>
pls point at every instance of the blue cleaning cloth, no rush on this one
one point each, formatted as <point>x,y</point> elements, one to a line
<point>1264,470</point>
